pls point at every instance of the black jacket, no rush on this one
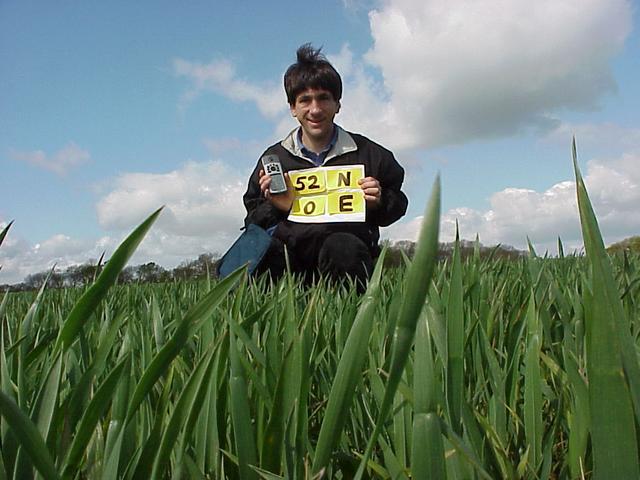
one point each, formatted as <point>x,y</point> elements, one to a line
<point>350,149</point>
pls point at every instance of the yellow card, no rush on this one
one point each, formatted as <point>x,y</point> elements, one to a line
<point>346,202</point>
<point>312,206</point>
<point>343,178</point>
<point>308,182</point>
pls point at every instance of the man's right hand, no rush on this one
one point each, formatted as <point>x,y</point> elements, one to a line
<point>282,201</point>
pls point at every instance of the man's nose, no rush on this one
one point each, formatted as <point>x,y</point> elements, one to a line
<point>315,106</point>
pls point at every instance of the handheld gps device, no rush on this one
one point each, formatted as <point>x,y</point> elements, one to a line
<point>273,168</point>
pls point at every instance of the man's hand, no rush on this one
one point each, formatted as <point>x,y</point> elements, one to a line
<point>372,191</point>
<point>282,201</point>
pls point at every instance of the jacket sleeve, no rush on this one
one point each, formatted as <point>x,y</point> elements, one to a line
<point>394,202</point>
<point>259,210</point>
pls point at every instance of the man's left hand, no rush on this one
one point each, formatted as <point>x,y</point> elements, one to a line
<point>372,191</point>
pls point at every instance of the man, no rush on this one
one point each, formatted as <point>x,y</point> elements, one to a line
<point>334,249</point>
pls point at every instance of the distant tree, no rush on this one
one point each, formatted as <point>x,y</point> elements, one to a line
<point>127,275</point>
<point>79,275</point>
<point>197,268</point>
<point>56,280</point>
<point>397,251</point>
<point>152,273</point>
<point>35,280</point>
<point>84,274</point>
<point>631,244</point>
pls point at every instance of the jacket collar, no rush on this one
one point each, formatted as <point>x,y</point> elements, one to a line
<point>344,144</point>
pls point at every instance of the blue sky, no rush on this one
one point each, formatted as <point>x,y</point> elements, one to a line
<point>111,109</point>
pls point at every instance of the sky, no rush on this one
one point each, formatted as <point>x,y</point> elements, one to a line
<point>109,110</point>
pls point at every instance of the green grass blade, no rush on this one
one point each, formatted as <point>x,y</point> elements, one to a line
<point>198,404</point>
<point>4,231</point>
<point>187,406</point>
<point>89,301</point>
<point>112,462</point>
<point>240,414</point>
<point>612,362</point>
<point>274,435</point>
<point>3,306</point>
<point>455,340</point>
<point>94,412</point>
<point>205,428</point>
<point>560,248</point>
<point>28,437</point>
<point>578,419</point>
<point>532,390</point>
<point>427,453</point>
<point>119,407</point>
<point>613,436</point>
<point>532,250</point>
<point>391,461</point>
<point>605,290</point>
<point>158,327</point>
<point>348,373</point>
<point>465,452</point>
<point>47,400</point>
<point>9,445</point>
<point>425,380</point>
<point>6,385</point>
<point>418,281</point>
<point>3,471</point>
<point>427,456</point>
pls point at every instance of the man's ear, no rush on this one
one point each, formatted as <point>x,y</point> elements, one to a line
<point>339,105</point>
<point>292,109</point>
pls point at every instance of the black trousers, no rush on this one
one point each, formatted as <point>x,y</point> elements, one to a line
<point>338,257</point>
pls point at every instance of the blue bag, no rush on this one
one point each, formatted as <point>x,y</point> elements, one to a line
<point>249,249</point>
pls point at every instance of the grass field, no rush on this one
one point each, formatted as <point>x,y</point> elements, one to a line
<point>474,368</point>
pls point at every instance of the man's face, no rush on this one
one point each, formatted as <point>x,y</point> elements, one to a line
<point>315,109</point>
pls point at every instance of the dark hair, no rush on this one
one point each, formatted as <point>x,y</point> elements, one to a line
<point>311,70</point>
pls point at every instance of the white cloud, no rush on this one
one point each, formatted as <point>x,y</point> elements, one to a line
<point>220,76</point>
<point>201,200</point>
<point>60,162</point>
<point>457,70</point>
<point>518,213</point>
<point>61,245</point>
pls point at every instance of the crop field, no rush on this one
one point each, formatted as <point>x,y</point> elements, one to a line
<point>475,368</point>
